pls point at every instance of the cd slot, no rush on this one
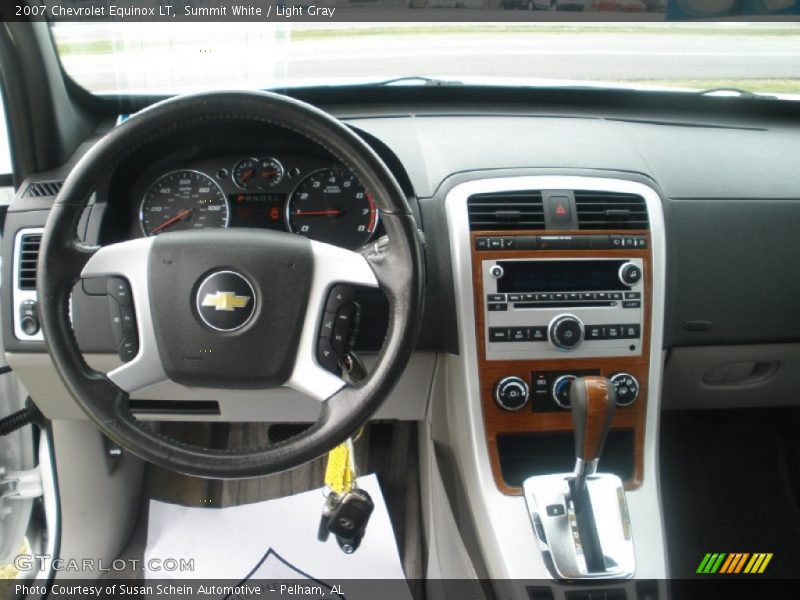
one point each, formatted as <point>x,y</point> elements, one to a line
<point>562,304</point>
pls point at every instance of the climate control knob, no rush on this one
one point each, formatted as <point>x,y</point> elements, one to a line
<point>566,332</point>
<point>511,393</point>
<point>560,391</point>
<point>627,388</point>
<point>630,273</point>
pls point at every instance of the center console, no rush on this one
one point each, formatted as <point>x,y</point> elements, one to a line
<point>550,308</point>
<point>559,284</point>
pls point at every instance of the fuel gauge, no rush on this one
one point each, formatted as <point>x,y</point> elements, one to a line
<point>258,173</point>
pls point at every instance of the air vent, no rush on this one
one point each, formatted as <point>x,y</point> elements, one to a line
<point>28,259</point>
<point>609,210</point>
<point>505,211</point>
<point>43,189</point>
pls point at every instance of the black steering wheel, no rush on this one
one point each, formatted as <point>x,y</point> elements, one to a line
<point>286,279</point>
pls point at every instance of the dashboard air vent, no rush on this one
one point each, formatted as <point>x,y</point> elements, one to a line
<point>28,259</point>
<point>43,189</point>
<point>506,210</point>
<point>610,210</point>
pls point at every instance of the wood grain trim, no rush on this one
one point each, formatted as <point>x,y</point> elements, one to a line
<point>500,422</point>
<point>597,415</point>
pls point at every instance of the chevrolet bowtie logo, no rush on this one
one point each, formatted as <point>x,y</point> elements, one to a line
<point>228,301</point>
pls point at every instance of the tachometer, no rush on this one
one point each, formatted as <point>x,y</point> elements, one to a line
<point>183,200</point>
<point>331,205</point>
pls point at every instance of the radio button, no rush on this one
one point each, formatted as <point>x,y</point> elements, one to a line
<point>594,332</point>
<point>498,334</point>
<point>566,332</point>
<point>515,297</point>
<point>496,298</point>
<point>612,332</point>
<point>497,306</point>
<point>588,296</point>
<point>630,273</point>
<point>631,304</point>
<point>529,297</point>
<point>630,332</point>
<point>496,271</point>
<point>633,295</point>
<point>559,296</point>
<point>616,295</point>
<point>520,334</point>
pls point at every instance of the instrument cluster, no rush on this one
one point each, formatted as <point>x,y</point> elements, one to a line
<point>308,196</point>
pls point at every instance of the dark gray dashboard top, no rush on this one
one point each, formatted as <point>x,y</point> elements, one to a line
<point>687,160</point>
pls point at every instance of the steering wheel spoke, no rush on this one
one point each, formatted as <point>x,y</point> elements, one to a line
<point>129,260</point>
<point>333,266</point>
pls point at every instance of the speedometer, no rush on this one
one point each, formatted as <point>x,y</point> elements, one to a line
<point>331,205</point>
<point>183,200</point>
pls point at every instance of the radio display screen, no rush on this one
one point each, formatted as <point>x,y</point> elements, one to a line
<point>560,276</point>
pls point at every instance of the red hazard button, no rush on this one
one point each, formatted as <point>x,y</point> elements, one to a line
<point>559,209</point>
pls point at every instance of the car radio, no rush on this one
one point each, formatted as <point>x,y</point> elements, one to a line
<point>549,307</point>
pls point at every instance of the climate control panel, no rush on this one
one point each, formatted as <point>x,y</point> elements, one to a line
<point>548,391</point>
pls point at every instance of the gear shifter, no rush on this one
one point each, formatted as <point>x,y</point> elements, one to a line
<point>593,400</point>
<point>580,519</point>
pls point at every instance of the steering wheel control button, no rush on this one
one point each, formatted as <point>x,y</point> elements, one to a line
<point>566,332</point>
<point>339,296</point>
<point>511,393</point>
<point>339,325</point>
<point>560,391</point>
<point>627,388</point>
<point>225,301</point>
<point>120,291</point>
<point>630,273</point>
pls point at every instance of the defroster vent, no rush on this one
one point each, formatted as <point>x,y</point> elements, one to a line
<point>42,189</point>
<point>506,211</point>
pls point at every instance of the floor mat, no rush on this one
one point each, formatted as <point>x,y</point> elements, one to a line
<point>268,540</point>
<point>728,484</point>
<point>387,449</point>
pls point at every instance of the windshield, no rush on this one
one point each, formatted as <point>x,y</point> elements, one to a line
<point>164,58</point>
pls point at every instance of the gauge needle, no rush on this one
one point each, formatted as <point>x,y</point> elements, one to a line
<point>331,212</point>
<point>180,216</point>
<point>246,175</point>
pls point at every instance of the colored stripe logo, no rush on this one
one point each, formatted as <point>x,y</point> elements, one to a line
<point>734,563</point>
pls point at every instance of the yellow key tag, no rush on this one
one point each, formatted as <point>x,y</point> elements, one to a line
<point>338,472</point>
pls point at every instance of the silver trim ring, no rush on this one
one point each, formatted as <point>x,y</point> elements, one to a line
<point>553,394</point>
<point>554,323</point>
<point>167,174</point>
<point>638,388</point>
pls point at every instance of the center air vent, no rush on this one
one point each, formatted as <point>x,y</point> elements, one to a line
<point>610,210</point>
<point>506,211</point>
<point>28,260</point>
<point>42,189</point>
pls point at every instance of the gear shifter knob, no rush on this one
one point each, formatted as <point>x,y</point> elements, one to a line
<point>592,401</point>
